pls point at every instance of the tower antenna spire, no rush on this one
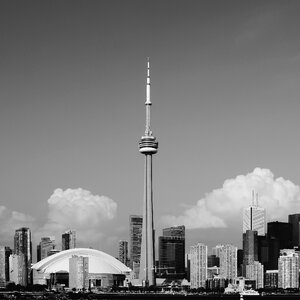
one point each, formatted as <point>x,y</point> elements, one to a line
<point>148,103</point>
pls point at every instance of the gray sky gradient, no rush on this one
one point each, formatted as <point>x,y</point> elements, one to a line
<point>225,92</point>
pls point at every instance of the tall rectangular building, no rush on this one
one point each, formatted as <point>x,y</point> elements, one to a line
<point>22,245</point>
<point>46,245</point>
<point>135,231</point>
<point>68,240</point>
<point>18,271</point>
<point>5,252</point>
<point>79,272</point>
<point>198,265</point>
<point>250,249</point>
<point>254,217</point>
<point>171,250</point>
<point>255,271</point>
<point>295,221</point>
<point>288,269</point>
<point>123,252</point>
<point>228,262</point>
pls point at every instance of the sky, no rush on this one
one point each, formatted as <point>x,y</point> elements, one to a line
<point>225,86</point>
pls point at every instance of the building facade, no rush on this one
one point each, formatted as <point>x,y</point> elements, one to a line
<point>47,244</point>
<point>135,243</point>
<point>5,252</point>
<point>79,272</point>
<point>123,252</point>
<point>254,217</point>
<point>198,266</point>
<point>171,250</point>
<point>23,246</point>
<point>18,272</point>
<point>288,269</point>
<point>68,240</point>
<point>295,221</point>
<point>255,271</point>
<point>228,262</point>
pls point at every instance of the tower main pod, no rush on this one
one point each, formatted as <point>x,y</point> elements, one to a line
<point>148,146</point>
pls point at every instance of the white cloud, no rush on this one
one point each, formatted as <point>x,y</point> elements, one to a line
<point>223,207</point>
<point>79,209</point>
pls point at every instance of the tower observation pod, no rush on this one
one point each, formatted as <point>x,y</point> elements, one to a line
<point>148,146</point>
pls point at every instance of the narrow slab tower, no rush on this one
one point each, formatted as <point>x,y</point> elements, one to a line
<point>148,146</point>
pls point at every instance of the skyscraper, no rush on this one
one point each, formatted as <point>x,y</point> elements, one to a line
<point>295,221</point>
<point>198,257</point>
<point>228,262</point>
<point>171,250</point>
<point>135,231</point>
<point>148,146</point>
<point>254,217</point>
<point>47,244</point>
<point>279,236</point>
<point>255,272</point>
<point>68,240</point>
<point>288,269</point>
<point>4,265</point>
<point>250,249</point>
<point>79,272</point>
<point>18,272</point>
<point>23,246</point>
<point>123,252</point>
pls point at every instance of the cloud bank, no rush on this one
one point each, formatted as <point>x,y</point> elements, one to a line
<point>223,207</point>
<point>80,210</point>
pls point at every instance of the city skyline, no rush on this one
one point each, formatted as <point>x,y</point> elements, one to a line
<point>225,87</point>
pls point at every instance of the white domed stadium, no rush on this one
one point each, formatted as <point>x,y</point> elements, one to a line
<point>90,267</point>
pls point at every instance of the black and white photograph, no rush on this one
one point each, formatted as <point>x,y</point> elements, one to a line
<point>150,149</point>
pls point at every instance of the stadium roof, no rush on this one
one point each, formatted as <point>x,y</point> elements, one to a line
<point>99,262</point>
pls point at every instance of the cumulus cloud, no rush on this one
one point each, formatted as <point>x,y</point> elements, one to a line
<point>223,207</point>
<point>79,209</point>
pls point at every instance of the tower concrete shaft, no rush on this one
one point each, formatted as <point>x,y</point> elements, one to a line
<point>148,146</point>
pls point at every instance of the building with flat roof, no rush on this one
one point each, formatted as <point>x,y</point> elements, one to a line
<point>198,266</point>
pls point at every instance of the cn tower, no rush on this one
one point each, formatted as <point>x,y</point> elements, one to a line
<point>148,146</point>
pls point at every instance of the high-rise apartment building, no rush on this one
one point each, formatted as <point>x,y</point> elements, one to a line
<point>254,217</point>
<point>5,252</point>
<point>79,272</point>
<point>198,265</point>
<point>228,262</point>
<point>18,271</point>
<point>22,245</point>
<point>255,271</point>
<point>135,231</point>
<point>171,250</point>
<point>46,245</point>
<point>295,221</point>
<point>123,252</point>
<point>288,269</point>
<point>68,240</point>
